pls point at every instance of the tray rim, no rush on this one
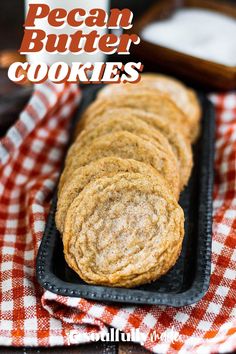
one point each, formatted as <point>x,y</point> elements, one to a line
<point>48,280</point>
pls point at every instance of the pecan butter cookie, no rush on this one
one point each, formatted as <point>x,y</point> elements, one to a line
<point>149,101</point>
<point>128,146</point>
<point>120,121</point>
<point>82,176</point>
<point>183,97</point>
<point>180,145</point>
<point>123,231</point>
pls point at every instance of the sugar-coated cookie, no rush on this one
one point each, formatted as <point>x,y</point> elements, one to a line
<point>128,146</point>
<point>117,208</point>
<point>108,166</point>
<point>180,145</point>
<point>183,97</point>
<point>123,231</point>
<point>147,100</point>
<point>117,121</point>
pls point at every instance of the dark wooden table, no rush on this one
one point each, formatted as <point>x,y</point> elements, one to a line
<point>98,348</point>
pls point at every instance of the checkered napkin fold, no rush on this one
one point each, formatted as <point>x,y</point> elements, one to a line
<point>31,156</point>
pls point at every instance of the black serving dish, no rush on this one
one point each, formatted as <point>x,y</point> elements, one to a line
<point>188,280</point>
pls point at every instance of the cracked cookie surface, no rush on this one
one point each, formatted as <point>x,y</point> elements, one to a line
<point>81,177</point>
<point>184,98</point>
<point>180,145</point>
<point>146,100</point>
<point>118,121</point>
<point>127,146</point>
<point>124,230</point>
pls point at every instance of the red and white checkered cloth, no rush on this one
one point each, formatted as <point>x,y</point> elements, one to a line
<point>31,155</point>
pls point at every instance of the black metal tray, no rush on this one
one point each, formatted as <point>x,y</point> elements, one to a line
<point>188,280</point>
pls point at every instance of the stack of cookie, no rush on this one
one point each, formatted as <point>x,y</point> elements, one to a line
<point>118,208</point>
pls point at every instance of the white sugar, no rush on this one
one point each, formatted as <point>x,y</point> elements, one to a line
<point>201,33</point>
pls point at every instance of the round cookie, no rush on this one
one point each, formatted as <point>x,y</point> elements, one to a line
<point>82,176</point>
<point>149,101</point>
<point>128,146</point>
<point>123,121</point>
<point>123,231</point>
<point>183,97</point>
<point>179,144</point>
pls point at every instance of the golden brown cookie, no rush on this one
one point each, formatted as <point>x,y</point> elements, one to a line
<point>123,231</point>
<point>183,97</point>
<point>82,176</point>
<point>117,121</point>
<point>180,145</point>
<point>149,101</point>
<point>128,146</point>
